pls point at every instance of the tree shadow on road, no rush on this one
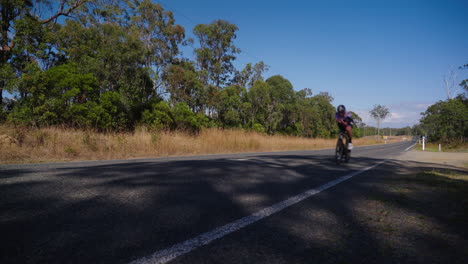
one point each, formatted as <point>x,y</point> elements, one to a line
<point>115,213</point>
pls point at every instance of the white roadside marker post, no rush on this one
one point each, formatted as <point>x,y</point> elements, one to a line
<point>440,148</point>
<point>423,143</point>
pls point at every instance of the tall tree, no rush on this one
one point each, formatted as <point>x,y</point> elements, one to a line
<point>379,113</point>
<point>264,111</point>
<point>464,83</point>
<point>230,111</point>
<point>183,84</point>
<point>451,83</point>
<point>160,35</point>
<point>250,74</point>
<point>216,52</point>
<point>359,125</point>
<point>112,53</point>
<point>315,114</point>
<point>21,27</point>
<point>327,96</point>
<point>357,119</point>
<point>283,100</point>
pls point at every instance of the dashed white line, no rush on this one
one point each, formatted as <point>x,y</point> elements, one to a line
<point>168,254</point>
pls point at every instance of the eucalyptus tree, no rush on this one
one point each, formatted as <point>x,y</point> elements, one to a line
<point>250,74</point>
<point>451,83</point>
<point>464,83</point>
<point>22,34</point>
<point>379,113</point>
<point>183,85</point>
<point>161,38</point>
<point>283,101</point>
<point>216,51</point>
<point>263,109</point>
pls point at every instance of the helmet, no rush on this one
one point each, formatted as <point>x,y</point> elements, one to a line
<point>341,109</point>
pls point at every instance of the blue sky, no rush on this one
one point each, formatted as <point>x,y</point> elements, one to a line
<point>361,52</point>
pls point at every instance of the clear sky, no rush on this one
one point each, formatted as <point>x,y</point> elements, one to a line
<point>361,52</point>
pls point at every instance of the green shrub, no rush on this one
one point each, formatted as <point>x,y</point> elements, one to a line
<point>258,128</point>
<point>185,119</point>
<point>111,112</point>
<point>21,115</point>
<point>158,117</point>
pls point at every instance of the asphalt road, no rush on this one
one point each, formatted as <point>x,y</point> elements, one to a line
<point>121,211</point>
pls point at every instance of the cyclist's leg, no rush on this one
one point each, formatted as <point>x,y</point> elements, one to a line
<point>349,131</point>
<point>342,128</point>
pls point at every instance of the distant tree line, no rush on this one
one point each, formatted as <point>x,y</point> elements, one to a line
<point>447,121</point>
<point>115,65</point>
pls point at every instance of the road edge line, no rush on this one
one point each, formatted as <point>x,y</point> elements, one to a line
<point>172,252</point>
<point>408,148</point>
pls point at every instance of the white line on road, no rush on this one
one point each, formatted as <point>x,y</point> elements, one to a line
<point>168,254</point>
<point>408,148</point>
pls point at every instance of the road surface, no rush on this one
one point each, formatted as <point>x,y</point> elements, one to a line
<point>132,210</point>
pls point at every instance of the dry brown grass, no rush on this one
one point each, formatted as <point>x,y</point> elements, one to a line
<point>59,144</point>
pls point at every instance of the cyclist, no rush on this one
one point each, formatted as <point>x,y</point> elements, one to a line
<point>345,122</point>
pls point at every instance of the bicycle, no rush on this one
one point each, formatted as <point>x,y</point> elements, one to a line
<point>341,151</point>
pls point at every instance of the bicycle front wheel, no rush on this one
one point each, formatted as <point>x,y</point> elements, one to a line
<point>338,151</point>
<point>347,152</point>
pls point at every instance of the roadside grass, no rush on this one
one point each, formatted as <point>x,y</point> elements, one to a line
<point>20,145</point>
<point>449,195</point>
<point>433,195</point>
<point>434,147</point>
<point>436,178</point>
<point>450,174</point>
<point>451,183</point>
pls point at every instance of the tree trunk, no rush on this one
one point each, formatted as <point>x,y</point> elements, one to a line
<point>378,128</point>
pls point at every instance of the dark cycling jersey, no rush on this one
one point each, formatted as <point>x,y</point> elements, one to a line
<point>347,117</point>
